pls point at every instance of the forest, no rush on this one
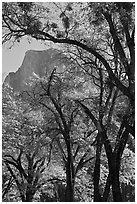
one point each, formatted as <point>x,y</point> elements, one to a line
<point>69,136</point>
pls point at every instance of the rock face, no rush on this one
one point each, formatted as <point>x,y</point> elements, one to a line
<point>36,62</point>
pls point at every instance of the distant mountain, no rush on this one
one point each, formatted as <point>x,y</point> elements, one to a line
<point>36,62</point>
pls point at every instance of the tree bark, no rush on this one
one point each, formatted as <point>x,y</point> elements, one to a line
<point>114,166</point>
<point>29,191</point>
<point>29,195</point>
<point>114,173</point>
<point>107,189</point>
<point>69,174</point>
<point>70,186</point>
<point>97,195</point>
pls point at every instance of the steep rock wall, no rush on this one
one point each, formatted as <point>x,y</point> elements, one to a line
<point>39,62</point>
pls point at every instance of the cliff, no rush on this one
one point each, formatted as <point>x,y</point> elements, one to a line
<point>38,62</point>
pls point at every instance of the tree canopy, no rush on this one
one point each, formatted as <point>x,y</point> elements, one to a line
<point>83,115</point>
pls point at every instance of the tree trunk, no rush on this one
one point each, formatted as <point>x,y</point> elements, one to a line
<point>107,189</point>
<point>29,195</point>
<point>117,197</point>
<point>70,186</point>
<point>115,166</point>
<point>30,191</point>
<point>69,174</point>
<point>114,173</point>
<point>97,195</point>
